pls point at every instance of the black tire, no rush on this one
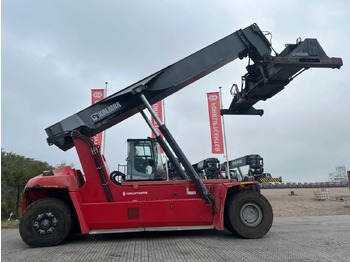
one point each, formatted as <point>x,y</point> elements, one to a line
<point>248,214</point>
<point>45,222</point>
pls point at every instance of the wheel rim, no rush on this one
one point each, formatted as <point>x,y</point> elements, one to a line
<point>45,223</point>
<point>251,214</point>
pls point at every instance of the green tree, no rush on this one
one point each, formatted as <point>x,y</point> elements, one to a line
<point>16,170</point>
<point>63,164</point>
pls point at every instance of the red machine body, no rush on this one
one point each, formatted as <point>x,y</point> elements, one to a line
<point>138,205</point>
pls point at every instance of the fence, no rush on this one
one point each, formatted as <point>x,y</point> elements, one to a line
<point>11,202</point>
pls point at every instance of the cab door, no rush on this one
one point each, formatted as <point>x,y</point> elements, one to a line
<point>144,160</point>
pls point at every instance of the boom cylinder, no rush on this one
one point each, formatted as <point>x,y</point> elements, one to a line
<point>165,147</point>
<point>180,155</point>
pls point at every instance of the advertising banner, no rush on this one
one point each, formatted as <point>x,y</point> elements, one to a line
<point>158,109</point>
<point>96,96</point>
<point>217,143</point>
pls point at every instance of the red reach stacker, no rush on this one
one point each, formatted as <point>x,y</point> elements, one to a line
<point>145,198</point>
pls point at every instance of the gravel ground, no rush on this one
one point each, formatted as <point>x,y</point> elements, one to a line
<point>302,203</point>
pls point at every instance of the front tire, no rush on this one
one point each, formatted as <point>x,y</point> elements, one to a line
<point>248,214</point>
<point>45,222</point>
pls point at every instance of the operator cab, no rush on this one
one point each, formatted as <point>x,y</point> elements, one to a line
<point>256,164</point>
<point>208,168</point>
<point>144,161</point>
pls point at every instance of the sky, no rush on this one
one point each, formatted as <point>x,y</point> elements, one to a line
<point>54,52</point>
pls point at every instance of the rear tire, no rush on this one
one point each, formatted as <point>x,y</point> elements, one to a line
<point>248,214</point>
<point>45,222</point>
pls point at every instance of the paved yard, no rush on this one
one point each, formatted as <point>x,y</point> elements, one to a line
<point>317,238</point>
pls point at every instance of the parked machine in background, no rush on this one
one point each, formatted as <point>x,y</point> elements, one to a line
<point>208,168</point>
<point>255,164</point>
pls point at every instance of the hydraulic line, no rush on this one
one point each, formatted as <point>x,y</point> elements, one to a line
<point>96,156</point>
<point>97,159</point>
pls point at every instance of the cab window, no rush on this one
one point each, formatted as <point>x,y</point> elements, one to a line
<point>143,157</point>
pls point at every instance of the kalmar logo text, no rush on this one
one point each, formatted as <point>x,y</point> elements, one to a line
<point>105,111</point>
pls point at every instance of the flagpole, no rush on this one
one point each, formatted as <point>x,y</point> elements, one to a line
<point>104,133</point>
<point>223,123</point>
